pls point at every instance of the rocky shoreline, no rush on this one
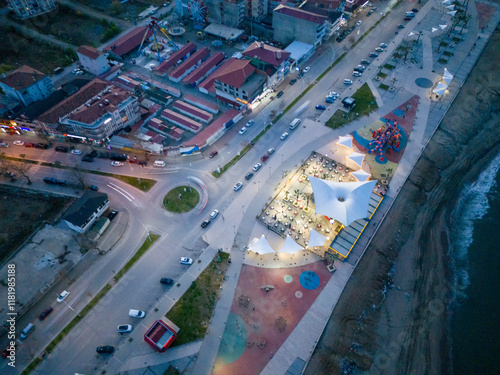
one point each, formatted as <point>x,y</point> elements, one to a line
<point>393,317</point>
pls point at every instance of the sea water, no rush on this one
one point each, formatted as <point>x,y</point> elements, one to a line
<point>475,257</point>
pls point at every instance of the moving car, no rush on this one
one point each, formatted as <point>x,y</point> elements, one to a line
<point>212,154</point>
<point>124,328</point>
<point>248,176</point>
<point>45,313</point>
<point>136,313</point>
<point>320,107</point>
<point>373,54</point>
<point>187,261</point>
<point>61,297</point>
<point>238,186</point>
<point>243,130</point>
<point>270,151</point>
<point>105,349</point>
<point>116,164</point>
<point>250,123</point>
<point>205,223</point>
<point>306,69</point>
<point>348,81</point>
<point>76,152</point>
<point>292,82</point>
<point>280,94</point>
<point>283,136</point>
<point>257,166</point>
<point>112,214</point>
<point>264,157</point>
<point>167,281</point>
<point>18,143</point>
<point>214,214</point>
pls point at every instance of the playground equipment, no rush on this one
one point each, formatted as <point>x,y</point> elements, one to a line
<point>156,47</point>
<point>382,137</point>
<point>198,12</point>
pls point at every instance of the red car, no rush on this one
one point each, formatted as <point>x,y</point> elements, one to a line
<point>7,351</point>
<point>47,311</point>
<point>29,145</point>
<point>213,154</point>
<point>264,158</point>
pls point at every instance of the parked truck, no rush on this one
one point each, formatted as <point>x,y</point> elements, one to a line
<point>160,336</point>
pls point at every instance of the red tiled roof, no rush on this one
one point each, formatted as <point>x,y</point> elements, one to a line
<point>89,51</point>
<point>129,41</point>
<point>266,53</point>
<point>205,66</point>
<point>201,103</point>
<point>22,77</point>
<point>174,57</point>
<point>208,83</point>
<point>69,104</point>
<point>301,14</point>
<point>201,138</point>
<point>192,111</point>
<point>181,120</point>
<point>236,73</point>
<point>190,62</point>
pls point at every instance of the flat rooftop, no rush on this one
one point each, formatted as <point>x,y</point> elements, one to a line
<point>222,31</point>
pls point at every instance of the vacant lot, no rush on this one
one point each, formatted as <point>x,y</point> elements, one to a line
<point>18,50</point>
<point>22,212</point>
<point>127,11</point>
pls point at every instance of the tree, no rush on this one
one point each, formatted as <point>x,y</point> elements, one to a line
<point>116,7</point>
<point>297,193</point>
<point>24,168</point>
<point>79,173</point>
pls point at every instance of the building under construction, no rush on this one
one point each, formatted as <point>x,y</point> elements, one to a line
<point>30,8</point>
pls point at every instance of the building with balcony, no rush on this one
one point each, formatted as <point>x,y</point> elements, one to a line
<point>273,61</point>
<point>30,8</point>
<point>258,9</point>
<point>86,210</point>
<point>26,85</point>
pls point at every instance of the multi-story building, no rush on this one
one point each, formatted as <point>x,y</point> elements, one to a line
<point>274,62</point>
<point>26,85</point>
<point>258,9</point>
<point>93,60</point>
<point>96,111</point>
<point>291,24</point>
<point>31,8</point>
<point>238,83</point>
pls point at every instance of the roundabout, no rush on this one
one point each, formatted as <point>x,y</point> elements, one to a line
<point>181,199</point>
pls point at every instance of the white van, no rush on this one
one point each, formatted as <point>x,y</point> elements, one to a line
<point>159,163</point>
<point>136,313</point>
<point>30,327</point>
<point>410,14</point>
<point>296,122</point>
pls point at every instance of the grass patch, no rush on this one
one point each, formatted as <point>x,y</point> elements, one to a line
<point>193,310</point>
<point>150,240</point>
<point>31,366</point>
<point>382,75</point>
<point>445,44</point>
<point>455,39</point>
<point>339,59</point>
<point>190,198</point>
<point>365,103</point>
<point>369,30</point>
<point>442,61</point>
<point>447,53</point>
<point>389,66</point>
<point>21,160</point>
<point>232,162</point>
<point>171,371</point>
<point>111,30</point>
<point>384,87</point>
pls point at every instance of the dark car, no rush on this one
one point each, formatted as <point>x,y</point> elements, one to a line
<point>143,163</point>
<point>45,313</point>
<point>264,158</point>
<point>365,62</point>
<point>320,107</point>
<point>54,181</point>
<point>401,26</point>
<point>373,54</point>
<point>103,155</point>
<point>407,18</point>
<point>280,94</point>
<point>10,174</point>
<point>212,154</point>
<point>93,187</point>
<point>166,280</point>
<point>414,10</point>
<point>42,146</point>
<point>93,153</point>
<point>248,176</point>
<point>112,214</point>
<point>118,157</point>
<point>62,149</point>
<point>293,81</point>
<point>205,223</point>
<point>88,158</point>
<point>105,349</point>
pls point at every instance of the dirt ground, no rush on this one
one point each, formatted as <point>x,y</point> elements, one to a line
<point>22,213</point>
<point>127,11</point>
<point>392,317</point>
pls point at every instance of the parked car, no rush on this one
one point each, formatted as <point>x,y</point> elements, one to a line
<point>61,149</point>
<point>320,107</point>
<point>333,94</point>
<point>10,174</point>
<point>6,352</point>
<point>270,151</point>
<point>108,349</point>
<point>329,100</point>
<point>365,62</point>
<point>401,26</point>
<point>103,155</point>
<point>250,123</point>
<point>284,136</point>
<point>166,280</point>
<point>88,158</point>
<point>414,10</point>
<point>373,54</point>
<point>280,94</point>
<point>248,176</point>
<point>18,143</point>
<point>356,74</point>
<point>118,157</point>
<point>293,81</point>
<point>407,19</point>
<point>238,186</point>
<point>124,328</point>
<point>45,313</point>
<point>243,130</point>
<point>61,297</point>
<point>136,313</point>
<point>116,164</point>
<point>42,146</point>
<point>186,261</point>
<point>212,154</point>
<point>214,214</point>
<point>143,163</point>
<point>348,81</point>
<point>76,152</point>
<point>370,13</point>
<point>383,45</point>
<point>29,144</point>
<point>112,214</point>
<point>264,157</point>
<point>54,181</point>
<point>359,23</point>
<point>379,49</point>
<point>257,166</point>
<point>306,69</point>
<point>93,187</point>
<point>205,223</point>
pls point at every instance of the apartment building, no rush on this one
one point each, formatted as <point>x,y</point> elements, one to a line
<point>24,9</point>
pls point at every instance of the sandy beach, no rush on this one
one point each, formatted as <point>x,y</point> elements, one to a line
<point>393,316</point>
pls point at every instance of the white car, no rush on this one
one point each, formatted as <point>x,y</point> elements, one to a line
<point>283,136</point>
<point>116,164</point>
<point>356,74</point>
<point>257,166</point>
<point>243,130</point>
<point>250,123</point>
<point>187,261</point>
<point>76,152</point>
<point>61,297</point>
<point>238,186</point>
<point>124,328</point>
<point>19,143</point>
<point>359,23</point>
<point>347,81</point>
<point>306,69</point>
<point>334,94</point>
<point>214,214</point>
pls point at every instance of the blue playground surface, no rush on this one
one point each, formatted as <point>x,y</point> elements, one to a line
<point>309,280</point>
<point>234,340</point>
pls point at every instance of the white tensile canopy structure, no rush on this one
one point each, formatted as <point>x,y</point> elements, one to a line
<point>261,246</point>
<point>356,157</point>
<point>452,13</point>
<point>315,239</point>
<point>434,29</point>
<point>290,246</point>
<point>450,7</point>
<point>443,27</point>
<point>447,76</point>
<point>447,2</point>
<point>345,141</point>
<point>361,175</point>
<point>343,201</point>
<point>440,88</point>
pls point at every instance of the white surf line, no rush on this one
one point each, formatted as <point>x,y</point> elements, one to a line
<point>121,191</point>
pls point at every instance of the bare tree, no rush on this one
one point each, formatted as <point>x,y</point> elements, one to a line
<point>23,168</point>
<point>79,174</point>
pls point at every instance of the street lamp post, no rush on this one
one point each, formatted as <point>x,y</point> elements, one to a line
<point>234,229</point>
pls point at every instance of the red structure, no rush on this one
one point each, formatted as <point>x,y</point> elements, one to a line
<point>160,336</point>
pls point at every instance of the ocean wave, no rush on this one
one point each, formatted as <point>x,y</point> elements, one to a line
<point>472,206</point>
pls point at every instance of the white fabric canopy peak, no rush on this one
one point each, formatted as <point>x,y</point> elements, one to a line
<point>316,239</point>
<point>452,13</point>
<point>356,157</point>
<point>434,29</point>
<point>440,88</point>
<point>261,246</point>
<point>447,76</point>
<point>345,141</point>
<point>361,175</point>
<point>443,27</point>
<point>345,202</point>
<point>290,246</point>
